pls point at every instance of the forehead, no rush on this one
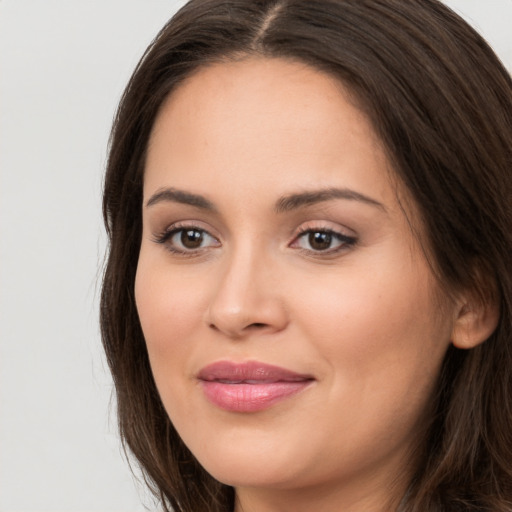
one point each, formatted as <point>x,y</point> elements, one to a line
<point>262,123</point>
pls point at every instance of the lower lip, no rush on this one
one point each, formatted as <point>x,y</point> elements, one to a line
<point>246,397</point>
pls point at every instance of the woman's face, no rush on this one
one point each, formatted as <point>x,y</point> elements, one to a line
<point>293,326</point>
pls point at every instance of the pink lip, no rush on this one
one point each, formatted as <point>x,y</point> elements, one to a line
<point>249,386</point>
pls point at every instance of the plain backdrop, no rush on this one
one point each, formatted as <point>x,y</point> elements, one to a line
<point>63,65</point>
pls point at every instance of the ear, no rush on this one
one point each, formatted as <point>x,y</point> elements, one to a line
<point>476,321</point>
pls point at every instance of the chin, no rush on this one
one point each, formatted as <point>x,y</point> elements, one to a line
<point>249,460</point>
<point>245,472</point>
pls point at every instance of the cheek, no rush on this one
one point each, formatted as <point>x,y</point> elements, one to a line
<point>381,332</point>
<point>171,309</point>
<point>391,306</point>
<point>382,348</point>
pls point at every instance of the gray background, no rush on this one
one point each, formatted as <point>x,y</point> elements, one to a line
<point>63,65</point>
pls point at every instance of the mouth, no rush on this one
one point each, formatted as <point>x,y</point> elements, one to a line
<point>250,386</point>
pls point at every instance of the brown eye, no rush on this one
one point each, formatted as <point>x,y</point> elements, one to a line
<point>323,241</point>
<point>191,238</point>
<point>319,240</point>
<point>187,240</point>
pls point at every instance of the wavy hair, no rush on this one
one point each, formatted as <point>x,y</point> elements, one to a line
<point>441,102</point>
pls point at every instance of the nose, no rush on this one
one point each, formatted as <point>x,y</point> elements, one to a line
<point>247,298</point>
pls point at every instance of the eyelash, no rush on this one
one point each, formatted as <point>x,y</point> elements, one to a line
<point>166,236</point>
<point>345,242</point>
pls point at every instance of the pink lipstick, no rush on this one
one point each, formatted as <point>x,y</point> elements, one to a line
<point>249,386</point>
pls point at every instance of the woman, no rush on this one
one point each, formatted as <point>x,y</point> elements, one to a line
<point>307,299</point>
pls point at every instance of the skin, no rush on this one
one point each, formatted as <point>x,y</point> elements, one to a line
<point>365,319</point>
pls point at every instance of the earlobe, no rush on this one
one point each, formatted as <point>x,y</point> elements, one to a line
<point>476,321</point>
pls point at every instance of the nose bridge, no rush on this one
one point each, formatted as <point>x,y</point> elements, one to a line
<point>246,296</point>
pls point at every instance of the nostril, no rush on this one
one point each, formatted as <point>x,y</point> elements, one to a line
<point>256,325</point>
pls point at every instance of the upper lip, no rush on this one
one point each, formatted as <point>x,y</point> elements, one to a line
<point>249,371</point>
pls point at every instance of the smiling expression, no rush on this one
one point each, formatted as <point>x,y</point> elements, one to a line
<point>273,237</point>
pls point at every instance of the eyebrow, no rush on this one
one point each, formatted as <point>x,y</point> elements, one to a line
<point>179,196</point>
<point>295,201</point>
<point>283,204</point>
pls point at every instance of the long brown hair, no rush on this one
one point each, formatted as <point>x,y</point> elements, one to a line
<point>442,104</point>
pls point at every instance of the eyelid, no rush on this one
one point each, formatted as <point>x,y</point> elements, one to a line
<point>346,240</point>
<point>323,225</point>
<point>186,224</point>
<point>164,237</point>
